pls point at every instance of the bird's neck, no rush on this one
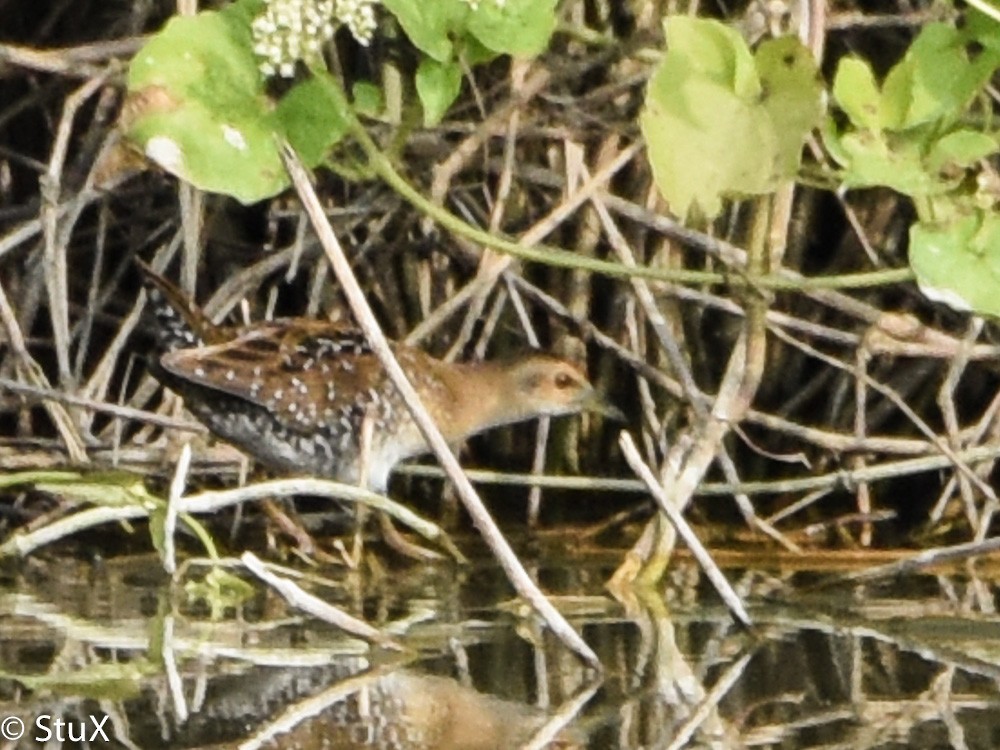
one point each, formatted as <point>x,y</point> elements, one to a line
<point>484,396</point>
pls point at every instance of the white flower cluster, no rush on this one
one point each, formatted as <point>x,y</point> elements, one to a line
<point>292,30</point>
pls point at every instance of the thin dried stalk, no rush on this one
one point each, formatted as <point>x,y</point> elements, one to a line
<point>515,571</point>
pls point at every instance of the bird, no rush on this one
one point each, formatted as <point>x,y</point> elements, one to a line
<point>297,394</point>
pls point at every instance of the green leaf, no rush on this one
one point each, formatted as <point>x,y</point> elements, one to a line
<point>197,107</point>
<point>958,263</point>
<point>521,28</point>
<point>473,52</point>
<point>697,159</point>
<point>935,80</point>
<point>311,116</point>
<point>904,161</point>
<point>438,85</point>
<point>198,143</point>
<point>719,122</point>
<point>855,91</point>
<point>960,149</point>
<point>114,489</point>
<point>368,99</point>
<point>117,681</point>
<point>870,159</point>
<point>158,530</point>
<point>15,478</point>
<point>208,52</point>
<point>430,25</point>
<point>449,30</point>
<point>981,27</point>
<point>905,136</point>
<point>514,27</point>
<point>220,590</point>
<point>709,51</point>
<point>792,99</point>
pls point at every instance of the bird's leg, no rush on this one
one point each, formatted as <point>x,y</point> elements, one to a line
<point>395,539</point>
<point>365,434</point>
<point>390,533</point>
<point>288,524</point>
<point>303,541</point>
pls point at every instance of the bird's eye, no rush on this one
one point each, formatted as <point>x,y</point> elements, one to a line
<point>563,380</point>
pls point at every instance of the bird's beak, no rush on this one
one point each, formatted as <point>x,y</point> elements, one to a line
<point>597,403</point>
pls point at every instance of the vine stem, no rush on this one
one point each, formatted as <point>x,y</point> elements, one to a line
<point>382,166</point>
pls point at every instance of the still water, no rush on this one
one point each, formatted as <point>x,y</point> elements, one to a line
<point>113,654</point>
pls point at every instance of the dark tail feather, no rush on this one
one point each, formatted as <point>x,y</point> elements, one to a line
<point>180,324</point>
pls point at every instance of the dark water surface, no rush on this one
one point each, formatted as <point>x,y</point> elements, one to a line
<point>909,663</point>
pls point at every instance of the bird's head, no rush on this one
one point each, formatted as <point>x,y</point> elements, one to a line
<point>544,385</point>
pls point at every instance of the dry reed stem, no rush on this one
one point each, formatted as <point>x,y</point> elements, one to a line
<point>98,405</point>
<point>535,234</point>
<point>673,511</point>
<point>312,605</point>
<point>72,62</point>
<point>23,543</point>
<point>31,371</point>
<point>55,240</point>
<point>900,403</point>
<point>481,518</point>
<point>708,707</point>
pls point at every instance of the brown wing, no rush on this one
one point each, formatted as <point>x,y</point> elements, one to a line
<point>308,374</point>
